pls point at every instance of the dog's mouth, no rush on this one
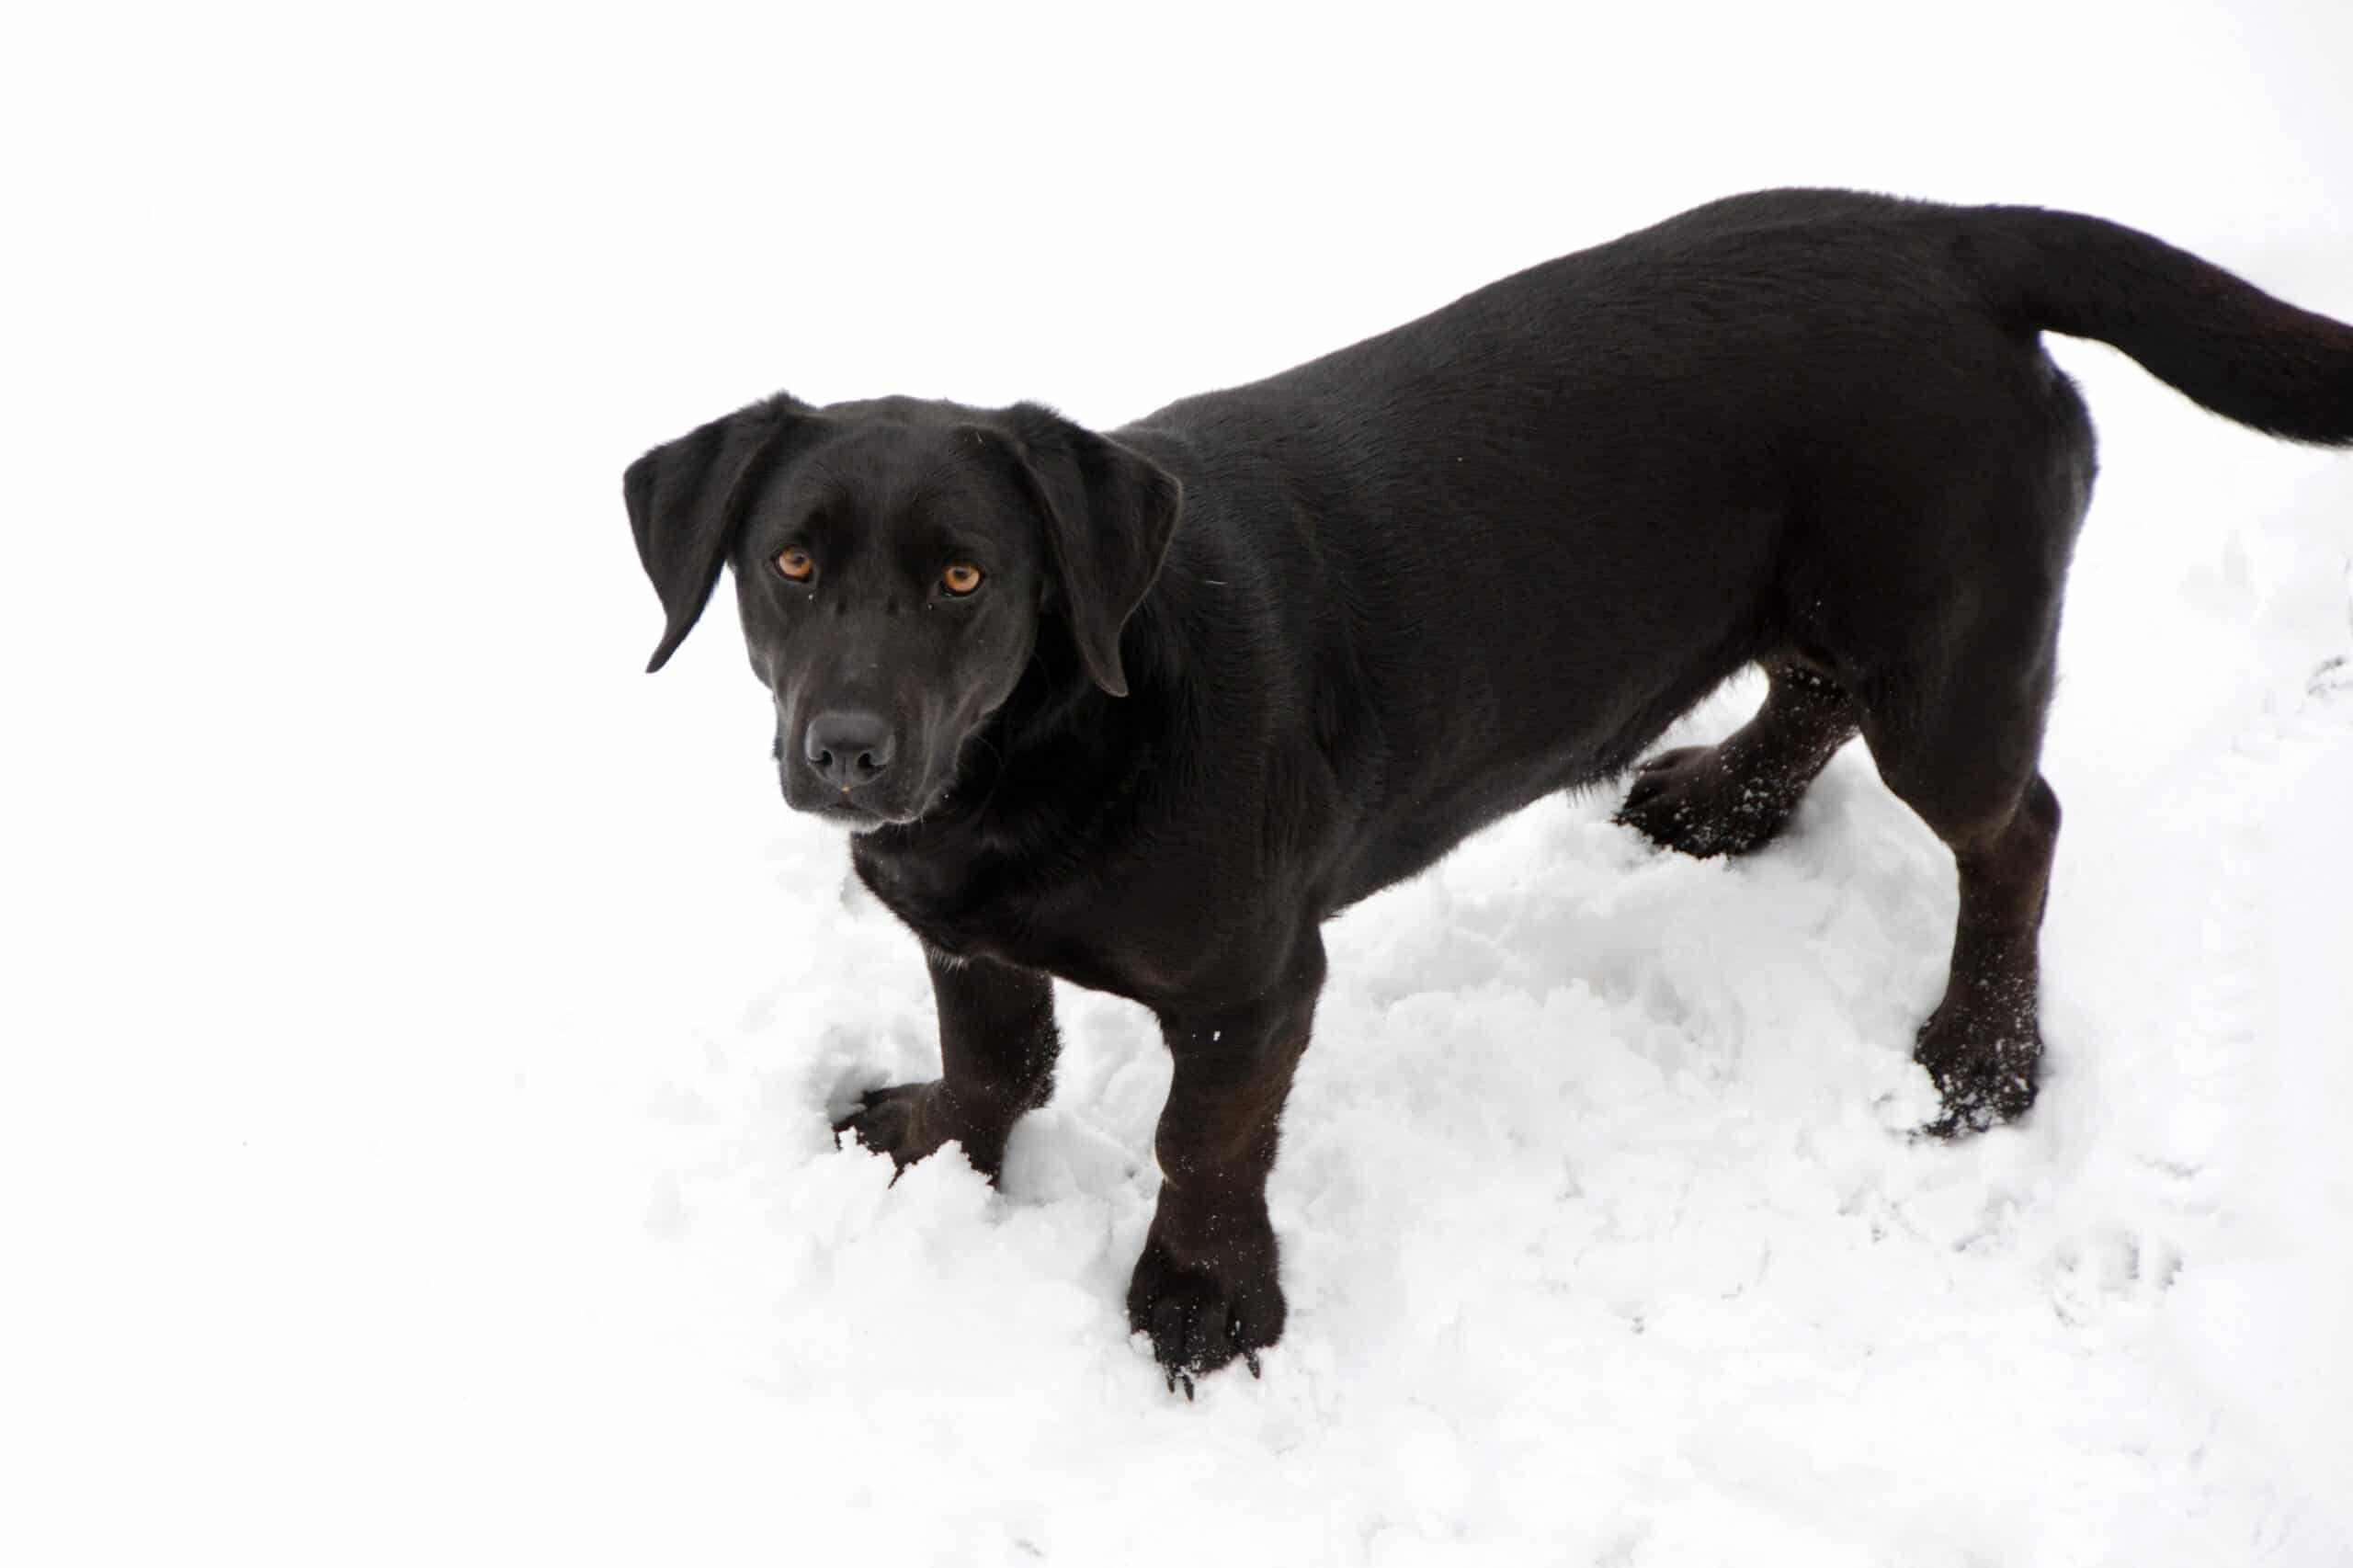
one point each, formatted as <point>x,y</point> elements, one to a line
<point>856,815</point>
<point>845,809</point>
<point>847,813</point>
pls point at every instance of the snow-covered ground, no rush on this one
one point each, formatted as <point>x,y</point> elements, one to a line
<point>422,1030</point>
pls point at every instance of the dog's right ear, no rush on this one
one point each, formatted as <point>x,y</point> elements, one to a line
<point>686,500</point>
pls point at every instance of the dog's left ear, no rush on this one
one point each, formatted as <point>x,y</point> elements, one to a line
<point>686,498</point>
<point>1110,513</point>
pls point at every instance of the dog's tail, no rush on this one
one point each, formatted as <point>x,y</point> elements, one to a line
<point>2217,338</point>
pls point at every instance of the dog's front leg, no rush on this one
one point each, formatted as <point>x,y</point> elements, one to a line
<point>1207,1287</point>
<point>997,1045</point>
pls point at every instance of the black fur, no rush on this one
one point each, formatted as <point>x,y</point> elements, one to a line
<point>1259,654</point>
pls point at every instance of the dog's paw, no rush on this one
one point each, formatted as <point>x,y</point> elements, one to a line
<point>1985,1061</point>
<point>1688,799</point>
<point>1199,1319</point>
<point>912,1121</point>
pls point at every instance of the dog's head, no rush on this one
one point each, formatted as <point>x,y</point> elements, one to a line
<point>895,563</point>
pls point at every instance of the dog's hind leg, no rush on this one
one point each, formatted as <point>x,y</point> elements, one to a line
<point>1958,734</point>
<point>1733,797</point>
<point>1983,1045</point>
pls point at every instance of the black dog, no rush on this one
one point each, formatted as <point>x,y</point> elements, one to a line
<point>1144,709</point>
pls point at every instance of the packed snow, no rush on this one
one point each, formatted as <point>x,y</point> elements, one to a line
<point>422,1030</point>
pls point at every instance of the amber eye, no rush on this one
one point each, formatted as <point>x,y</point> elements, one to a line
<point>961,578</point>
<point>794,563</point>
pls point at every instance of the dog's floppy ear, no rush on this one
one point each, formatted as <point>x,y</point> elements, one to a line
<point>1109,512</point>
<point>686,499</point>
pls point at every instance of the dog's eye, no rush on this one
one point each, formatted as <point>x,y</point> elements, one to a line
<point>961,578</point>
<point>795,564</point>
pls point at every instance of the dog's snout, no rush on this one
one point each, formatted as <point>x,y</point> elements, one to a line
<point>848,749</point>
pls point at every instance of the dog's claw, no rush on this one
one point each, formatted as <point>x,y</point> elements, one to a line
<point>1250,1359</point>
<point>1189,1388</point>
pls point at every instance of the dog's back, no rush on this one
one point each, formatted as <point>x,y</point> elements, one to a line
<point>1560,510</point>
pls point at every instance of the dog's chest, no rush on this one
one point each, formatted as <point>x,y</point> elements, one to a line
<point>1060,926</point>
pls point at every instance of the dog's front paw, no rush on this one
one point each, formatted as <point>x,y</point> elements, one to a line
<point>1689,799</point>
<point>1201,1317</point>
<point>1985,1059</point>
<point>911,1121</point>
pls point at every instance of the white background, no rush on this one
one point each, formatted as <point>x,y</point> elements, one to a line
<point>419,1026</point>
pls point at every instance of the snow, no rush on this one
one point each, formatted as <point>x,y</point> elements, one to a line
<point>422,1030</point>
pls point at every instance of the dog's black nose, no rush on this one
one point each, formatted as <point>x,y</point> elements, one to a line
<point>848,749</point>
